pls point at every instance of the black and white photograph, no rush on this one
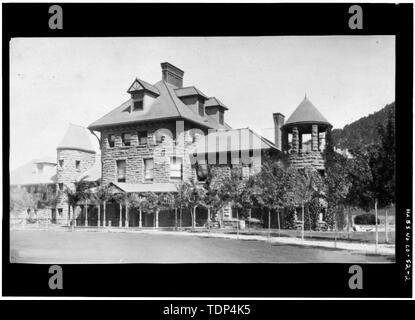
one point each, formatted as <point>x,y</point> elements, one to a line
<point>190,151</point>
<point>176,150</point>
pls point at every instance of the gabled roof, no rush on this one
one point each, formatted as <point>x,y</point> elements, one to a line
<point>144,187</point>
<point>232,140</point>
<point>28,175</point>
<point>139,84</point>
<point>306,112</point>
<point>214,102</point>
<point>189,91</point>
<point>166,106</point>
<point>78,138</point>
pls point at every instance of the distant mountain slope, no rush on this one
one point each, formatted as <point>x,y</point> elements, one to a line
<point>362,131</point>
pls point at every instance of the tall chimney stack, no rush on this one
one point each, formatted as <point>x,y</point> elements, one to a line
<point>172,74</point>
<point>278,123</point>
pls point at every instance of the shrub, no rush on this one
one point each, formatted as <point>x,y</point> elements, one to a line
<point>367,218</point>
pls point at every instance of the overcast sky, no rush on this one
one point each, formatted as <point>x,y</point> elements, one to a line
<point>57,81</point>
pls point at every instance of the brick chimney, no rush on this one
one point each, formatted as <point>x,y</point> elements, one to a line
<point>278,123</point>
<point>172,74</point>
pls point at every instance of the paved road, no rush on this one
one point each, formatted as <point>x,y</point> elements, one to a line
<point>39,246</point>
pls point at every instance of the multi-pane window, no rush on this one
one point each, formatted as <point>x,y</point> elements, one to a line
<point>176,167</point>
<point>126,139</point>
<point>78,165</point>
<point>142,137</point>
<point>148,169</point>
<point>121,170</point>
<point>111,140</point>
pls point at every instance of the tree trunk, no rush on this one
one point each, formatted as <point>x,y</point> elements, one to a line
<point>237,223</point>
<point>181,217</point>
<point>269,224</point>
<point>335,229</point>
<point>157,219</point>
<point>86,213</point>
<point>126,215</point>
<point>99,215</point>
<point>69,215</point>
<point>140,218</point>
<point>209,221</point>
<point>376,226</point>
<point>175,218</point>
<point>249,221</point>
<point>386,225</point>
<point>348,223</point>
<point>302,224</point>
<point>104,222</point>
<point>278,220</point>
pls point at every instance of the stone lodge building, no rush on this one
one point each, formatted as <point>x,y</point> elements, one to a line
<point>165,133</point>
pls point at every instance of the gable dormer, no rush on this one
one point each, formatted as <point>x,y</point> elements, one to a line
<point>216,110</point>
<point>142,95</point>
<point>193,98</point>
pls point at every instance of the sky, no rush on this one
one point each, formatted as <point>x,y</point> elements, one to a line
<point>57,81</point>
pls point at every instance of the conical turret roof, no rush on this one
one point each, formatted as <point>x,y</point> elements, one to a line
<point>306,113</point>
<point>78,138</point>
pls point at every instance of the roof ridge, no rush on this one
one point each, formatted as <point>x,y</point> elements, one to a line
<point>174,102</point>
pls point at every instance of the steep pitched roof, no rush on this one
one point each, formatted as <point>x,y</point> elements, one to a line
<point>166,106</point>
<point>232,140</point>
<point>139,84</point>
<point>78,138</point>
<point>306,112</point>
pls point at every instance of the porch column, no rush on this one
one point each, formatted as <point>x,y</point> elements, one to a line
<point>175,218</point>
<point>126,214</point>
<point>99,215</point>
<point>86,213</point>
<point>314,137</point>
<point>157,219</point>
<point>208,217</point>
<point>103,218</point>
<point>140,219</point>
<point>120,222</point>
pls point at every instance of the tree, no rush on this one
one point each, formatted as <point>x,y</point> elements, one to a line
<point>269,188</point>
<point>78,193</point>
<point>182,197</point>
<point>135,200</point>
<point>100,196</point>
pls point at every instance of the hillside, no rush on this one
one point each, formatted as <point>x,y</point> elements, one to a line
<point>362,131</point>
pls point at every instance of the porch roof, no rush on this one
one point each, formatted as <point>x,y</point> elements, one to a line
<point>145,187</point>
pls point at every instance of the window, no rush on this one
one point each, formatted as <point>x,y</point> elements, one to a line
<point>201,109</point>
<point>176,167</point>
<point>138,105</point>
<point>148,169</point>
<point>61,186</point>
<point>39,168</point>
<point>111,140</point>
<point>220,117</point>
<point>126,139</point>
<point>60,210</point>
<point>78,165</point>
<point>142,137</point>
<point>121,168</point>
<point>61,163</point>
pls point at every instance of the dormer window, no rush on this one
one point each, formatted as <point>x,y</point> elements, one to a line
<point>138,105</point>
<point>221,117</point>
<point>201,108</point>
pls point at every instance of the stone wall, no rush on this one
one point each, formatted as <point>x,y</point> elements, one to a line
<point>309,159</point>
<point>159,149</point>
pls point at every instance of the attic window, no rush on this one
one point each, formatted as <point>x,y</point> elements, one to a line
<point>221,117</point>
<point>201,109</point>
<point>138,105</point>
